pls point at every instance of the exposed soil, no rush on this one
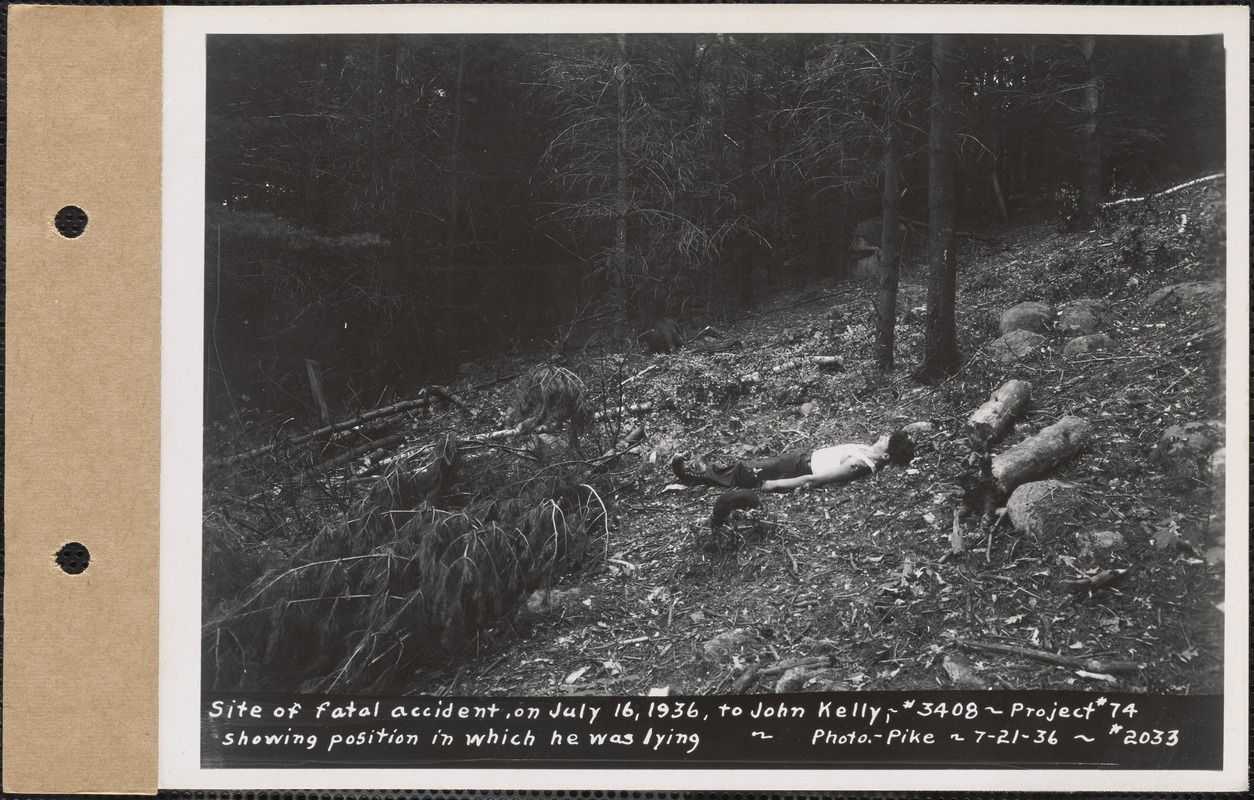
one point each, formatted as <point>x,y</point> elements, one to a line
<point>858,580</point>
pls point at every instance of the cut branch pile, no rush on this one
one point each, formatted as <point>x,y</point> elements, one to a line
<point>432,556</point>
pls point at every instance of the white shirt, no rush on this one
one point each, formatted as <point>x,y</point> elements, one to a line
<point>830,459</point>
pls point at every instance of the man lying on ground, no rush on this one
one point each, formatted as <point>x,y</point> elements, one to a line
<point>809,468</point>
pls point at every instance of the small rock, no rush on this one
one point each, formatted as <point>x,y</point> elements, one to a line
<point>1029,316</point>
<point>793,335</point>
<point>962,672</point>
<point>1015,346</point>
<point>543,601</point>
<point>1086,344</point>
<point>726,645</point>
<point>911,296</point>
<point>1219,466</point>
<point>1098,541</point>
<point>808,408</point>
<point>1082,317</point>
<point>792,395</point>
<point>1188,436</point>
<point>809,679</point>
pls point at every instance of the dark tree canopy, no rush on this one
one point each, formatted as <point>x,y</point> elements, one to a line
<point>388,206</point>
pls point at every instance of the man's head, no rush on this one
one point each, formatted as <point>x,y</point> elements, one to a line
<point>900,448</point>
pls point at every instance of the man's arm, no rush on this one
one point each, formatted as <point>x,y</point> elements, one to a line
<point>847,470</point>
<point>785,484</point>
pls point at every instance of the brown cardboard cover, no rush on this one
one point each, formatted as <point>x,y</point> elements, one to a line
<point>82,380</point>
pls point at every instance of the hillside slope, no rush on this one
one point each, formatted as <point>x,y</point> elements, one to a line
<point>854,586</point>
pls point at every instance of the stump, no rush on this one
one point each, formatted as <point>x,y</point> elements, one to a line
<point>1038,455</point>
<point>992,419</point>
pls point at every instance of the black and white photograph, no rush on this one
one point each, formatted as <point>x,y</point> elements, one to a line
<point>805,402</point>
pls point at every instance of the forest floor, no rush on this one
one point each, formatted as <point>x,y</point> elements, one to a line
<point>856,584</point>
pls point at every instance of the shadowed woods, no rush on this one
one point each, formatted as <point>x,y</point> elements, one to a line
<point>467,296</point>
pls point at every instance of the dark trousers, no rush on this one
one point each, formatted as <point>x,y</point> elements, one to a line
<point>750,473</point>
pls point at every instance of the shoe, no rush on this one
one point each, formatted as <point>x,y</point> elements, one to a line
<point>678,466</point>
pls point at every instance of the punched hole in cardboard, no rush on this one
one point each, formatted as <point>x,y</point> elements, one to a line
<point>73,558</point>
<point>71,221</point>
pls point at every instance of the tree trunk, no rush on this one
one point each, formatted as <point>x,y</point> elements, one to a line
<point>452,337</point>
<point>746,249</point>
<point>619,281</point>
<point>1091,183</point>
<point>992,419</point>
<point>838,264</point>
<point>940,355</point>
<point>890,238</point>
<point>315,388</point>
<point>1035,457</point>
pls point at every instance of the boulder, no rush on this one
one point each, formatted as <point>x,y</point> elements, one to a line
<point>870,229</point>
<point>1185,450</point>
<point>867,266</point>
<point>1015,346</point>
<point>860,248</point>
<point>1082,317</point>
<point>1189,295</point>
<point>1045,508</point>
<point>1028,316</point>
<point>1086,344</point>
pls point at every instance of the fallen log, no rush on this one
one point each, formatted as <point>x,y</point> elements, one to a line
<point>632,438</point>
<point>634,408</point>
<point>1090,664</point>
<point>369,416</point>
<point>717,346</point>
<point>1038,455</point>
<point>1102,580</point>
<point>526,426</point>
<point>454,400</point>
<point>823,362</point>
<point>367,449</point>
<point>992,419</point>
<point>742,683</point>
<point>1153,195</point>
<point>956,543</point>
<point>784,666</point>
<point>641,374</point>
<point>917,430</point>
